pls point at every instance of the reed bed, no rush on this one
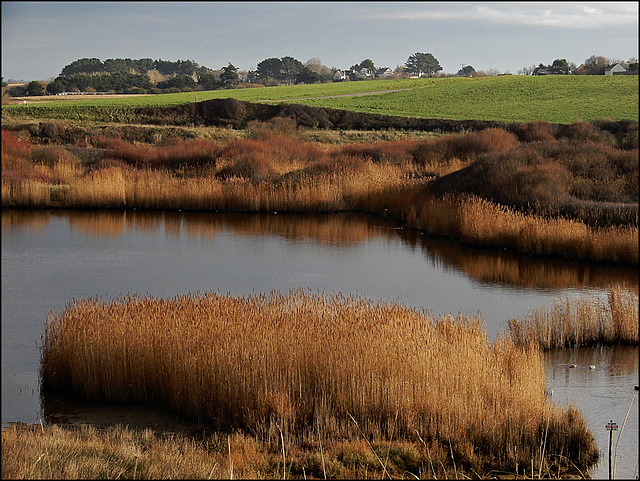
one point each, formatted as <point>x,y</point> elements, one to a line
<point>305,369</point>
<point>273,171</point>
<point>587,321</point>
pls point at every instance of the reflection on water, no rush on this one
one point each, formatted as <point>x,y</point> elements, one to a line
<point>60,408</point>
<point>52,257</point>
<point>602,394</point>
<point>487,265</point>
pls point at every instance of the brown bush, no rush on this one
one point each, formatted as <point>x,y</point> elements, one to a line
<point>535,131</point>
<point>585,132</point>
<point>397,151</point>
<point>15,145</point>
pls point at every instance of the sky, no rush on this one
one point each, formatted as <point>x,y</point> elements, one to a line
<point>40,38</point>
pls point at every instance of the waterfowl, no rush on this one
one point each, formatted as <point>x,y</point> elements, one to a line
<point>591,366</point>
<point>573,365</point>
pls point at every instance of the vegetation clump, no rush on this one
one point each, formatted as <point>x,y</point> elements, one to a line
<point>303,369</point>
<point>583,323</point>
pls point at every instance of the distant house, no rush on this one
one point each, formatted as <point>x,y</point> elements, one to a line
<point>384,72</point>
<point>364,73</point>
<point>619,69</point>
<point>543,71</point>
<point>339,76</point>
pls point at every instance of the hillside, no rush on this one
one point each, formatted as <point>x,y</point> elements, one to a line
<point>557,99</point>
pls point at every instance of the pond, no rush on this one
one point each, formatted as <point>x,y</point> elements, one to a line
<point>52,257</point>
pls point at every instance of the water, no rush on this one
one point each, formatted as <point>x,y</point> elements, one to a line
<point>52,257</point>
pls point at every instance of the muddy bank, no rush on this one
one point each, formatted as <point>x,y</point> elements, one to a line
<point>237,114</point>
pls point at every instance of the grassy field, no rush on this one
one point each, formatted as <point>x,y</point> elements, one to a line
<point>557,99</point>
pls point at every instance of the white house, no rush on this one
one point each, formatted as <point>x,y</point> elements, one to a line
<point>364,73</point>
<point>384,72</point>
<point>617,69</point>
<point>339,76</point>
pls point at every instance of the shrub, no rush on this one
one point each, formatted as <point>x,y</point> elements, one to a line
<point>535,131</point>
<point>585,132</point>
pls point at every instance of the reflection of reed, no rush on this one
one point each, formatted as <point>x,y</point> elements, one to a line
<point>99,223</point>
<point>500,267</point>
<point>33,219</point>
<point>326,229</point>
<point>487,265</point>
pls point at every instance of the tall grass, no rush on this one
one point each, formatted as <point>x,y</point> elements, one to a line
<point>320,368</point>
<point>485,184</point>
<point>587,321</point>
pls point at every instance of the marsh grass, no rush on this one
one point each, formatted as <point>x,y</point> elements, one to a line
<point>301,369</point>
<point>587,321</point>
<point>86,452</point>
<point>54,452</point>
<point>486,188</point>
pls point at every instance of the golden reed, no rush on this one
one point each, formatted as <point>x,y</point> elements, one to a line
<point>303,369</point>
<point>587,321</point>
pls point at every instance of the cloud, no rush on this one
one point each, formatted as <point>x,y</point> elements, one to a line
<point>570,15</point>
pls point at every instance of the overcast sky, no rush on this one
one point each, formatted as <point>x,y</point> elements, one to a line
<point>40,38</point>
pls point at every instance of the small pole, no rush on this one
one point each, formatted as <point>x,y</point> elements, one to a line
<point>610,427</point>
<point>610,441</point>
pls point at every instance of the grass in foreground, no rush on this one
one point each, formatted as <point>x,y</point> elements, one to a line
<point>306,369</point>
<point>55,452</point>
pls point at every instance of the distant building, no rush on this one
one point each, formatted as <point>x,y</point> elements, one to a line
<point>619,69</point>
<point>364,74</point>
<point>340,76</point>
<point>543,71</point>
<point>384,72</point>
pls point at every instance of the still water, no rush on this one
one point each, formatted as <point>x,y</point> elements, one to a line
<point>52,257</point>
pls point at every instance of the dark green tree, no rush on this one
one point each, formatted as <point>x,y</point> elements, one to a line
<point>423,63</point>
<point>269,68</point>
<point>55,87</point>
<point>290,68</point>
<point>366,63</point>
<point>35,88</point>
<point>466,71</point>
<point>208,81</point>
<point>308,76</point>
<point>83,66</point>
<point>17,91</point>
<point>229,76</point>
<point>560,66</point>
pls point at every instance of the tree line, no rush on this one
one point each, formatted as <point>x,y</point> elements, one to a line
<point>139,76</point>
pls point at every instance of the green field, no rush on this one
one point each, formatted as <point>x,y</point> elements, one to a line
<point>557,99</point>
